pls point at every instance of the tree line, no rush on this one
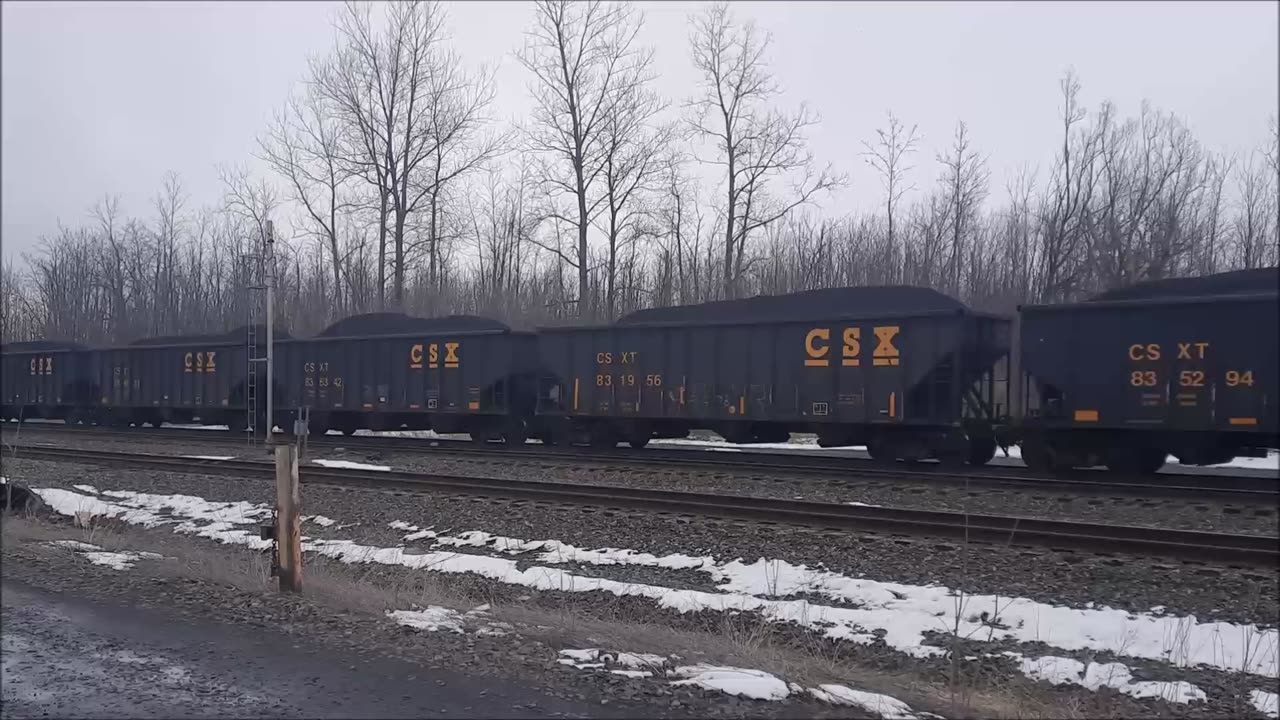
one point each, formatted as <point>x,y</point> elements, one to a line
<point>405,194</point>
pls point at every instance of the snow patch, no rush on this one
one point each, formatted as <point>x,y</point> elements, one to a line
<point>118,560</point>
<point>743,682</point>
<point>1267,703</point>
<point>434,618</point>
<point>754,684</point>
<point>886,706</point>
<point>321,520</point>
<point>431,619</point>
<point>1068,671</point>
<point>73,545</point>
<point>210,457</point>
<point>349,465</point>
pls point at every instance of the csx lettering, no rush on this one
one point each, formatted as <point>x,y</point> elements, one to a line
<point>817,353</point>
<point>1150,351</point>
<point>433,354</point>
<point>451,354</point>
<point>604,358</point>
<point>42,366</point>
<point>415,356</point>
<point>201,362</point>
<point>886,353</point>
<point>1184,350</point>
<point>852,346</point>
<point>629,358</point>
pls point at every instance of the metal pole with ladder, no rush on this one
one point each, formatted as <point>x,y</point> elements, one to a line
<point>260,274</point>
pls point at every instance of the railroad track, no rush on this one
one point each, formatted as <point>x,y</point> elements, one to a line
<point>1165,485</point>
<point>1074,536</point>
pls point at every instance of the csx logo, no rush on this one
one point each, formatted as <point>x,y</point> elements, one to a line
<point>817,346</point>
<point>42,366</point>
<point>201,362</point>
<point>433,355</point>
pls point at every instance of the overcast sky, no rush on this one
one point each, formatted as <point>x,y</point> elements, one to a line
<point>105,97</point>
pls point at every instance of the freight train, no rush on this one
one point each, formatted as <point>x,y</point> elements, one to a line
<point>1180,367</point>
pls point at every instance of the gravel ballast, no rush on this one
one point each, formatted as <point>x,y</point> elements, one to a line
<point>1207,515</point>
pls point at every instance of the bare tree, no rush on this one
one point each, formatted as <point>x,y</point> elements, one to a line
<point>753,142</point>
<point>1255,227</point>
<point>631,166</point>
<point>1069,194</point>
<point>964,186</point>
<point>304,146</point>
<point>889,158</point>
<point>379,83</point>
<point>583,56</point>
<point>458,103</point>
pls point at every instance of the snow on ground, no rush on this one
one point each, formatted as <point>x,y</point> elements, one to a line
<point>210,457</point>
<point>1267,703</point>
<point>743,682</point>
<point>351,465</point>
<point>98,556</point>
<point>898,614</point>
<point>320,520</point>
<point>1061,670</point>
<point>434,618</point>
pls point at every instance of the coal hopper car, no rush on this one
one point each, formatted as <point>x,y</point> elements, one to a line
<point>907,372</point>
<point>1184,367</point>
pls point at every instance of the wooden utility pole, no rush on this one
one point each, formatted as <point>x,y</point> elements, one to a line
<point>288,519</point>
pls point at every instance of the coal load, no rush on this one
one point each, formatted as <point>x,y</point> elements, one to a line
<point>231,337</point>
<point>375,324</point>
<point>1237,282</point>
<point>41,346</point>
<point>824,304</point>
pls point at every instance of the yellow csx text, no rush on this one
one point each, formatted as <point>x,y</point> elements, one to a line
<point>817,347</point>
<point>433,355</point>
<point>201,362</point>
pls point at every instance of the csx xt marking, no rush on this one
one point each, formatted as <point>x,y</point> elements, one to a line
<point>817,348</point>
<point>451,359</point>
<point>1152,351</point>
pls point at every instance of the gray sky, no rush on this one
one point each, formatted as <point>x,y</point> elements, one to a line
<point>106,97</point>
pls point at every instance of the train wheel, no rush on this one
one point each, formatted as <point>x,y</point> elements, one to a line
<point>237,423</point>
<point>981,450</point>
<point>480,437</point>
<point>638,441</point>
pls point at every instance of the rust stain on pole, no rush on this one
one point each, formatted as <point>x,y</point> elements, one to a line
<point>289,519</point>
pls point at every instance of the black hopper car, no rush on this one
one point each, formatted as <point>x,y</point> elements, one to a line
<point>907,372</point>
<point>1182,367</point>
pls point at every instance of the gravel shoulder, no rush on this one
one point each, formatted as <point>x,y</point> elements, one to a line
<point>1134,583</point>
